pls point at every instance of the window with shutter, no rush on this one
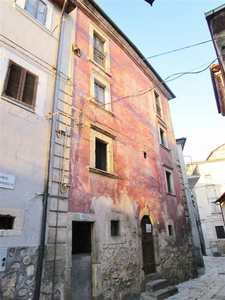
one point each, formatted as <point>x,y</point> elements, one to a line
<point>21,85</point>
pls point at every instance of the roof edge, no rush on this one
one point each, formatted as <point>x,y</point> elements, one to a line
<point>101,11</point>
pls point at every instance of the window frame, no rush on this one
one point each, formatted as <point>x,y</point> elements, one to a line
<point>104,83</point>
<point>220,234</point>
<point>169,181</point>
<point>21,85</point>
<point>158,104</point>
<point>93,31</point>
<point>107,138</point>
<point>36,10</point>
<point>163,137</point>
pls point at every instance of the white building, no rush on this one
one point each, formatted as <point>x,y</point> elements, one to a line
<point>35,97</point>
<point>209,187</point>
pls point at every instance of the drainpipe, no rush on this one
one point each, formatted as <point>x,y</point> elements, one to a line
<point>50,156</point>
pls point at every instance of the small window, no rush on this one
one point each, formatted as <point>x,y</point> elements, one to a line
<point>145,154</point>
<point>6,222</point>
<point>99,91</point>
<point>98,50</point>
<point>158,104</point>
<point>169,181</point>
<point>215,208</point>
<point>220,232</point>
<point>37,9</point>
<point>162,137</point>
<point>21,85</point>
<point>100,155</point>
<point>170,229</point>
<point>115,228</point>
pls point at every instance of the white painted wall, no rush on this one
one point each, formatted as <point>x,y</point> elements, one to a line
<point>208,189</point>
<point>24,139</point>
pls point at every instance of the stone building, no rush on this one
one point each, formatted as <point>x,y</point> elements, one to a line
<point>207,189</point>
<point>127,215</point>
<point>35,116</point>
<point>82,108</point>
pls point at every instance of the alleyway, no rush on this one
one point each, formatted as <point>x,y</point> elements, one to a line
<point>211,285</point>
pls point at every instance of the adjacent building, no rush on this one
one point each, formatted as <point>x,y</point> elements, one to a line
<point>216,23</point>
<point>35,116</point>
<point>209,188</point>
<point>92,193</point>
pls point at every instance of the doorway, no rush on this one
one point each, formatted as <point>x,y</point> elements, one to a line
<point>81,275</point>
<point>147,246</point>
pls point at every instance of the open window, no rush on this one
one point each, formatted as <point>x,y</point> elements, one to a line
<point>101,152</point>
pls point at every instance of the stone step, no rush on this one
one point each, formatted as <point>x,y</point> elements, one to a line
<point>160,294</point>
<point>156,285</point>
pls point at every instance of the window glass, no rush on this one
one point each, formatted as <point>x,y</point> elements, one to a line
<point>41,9</point>
<point>30,7</point>
<point>37,9</point>
<point>99,94</point>
<point>99,56</point>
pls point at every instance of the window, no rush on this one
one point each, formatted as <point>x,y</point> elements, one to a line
<point>21,85</point>
<point>6,222</point>
<point>100,155</point>
<point>162,136</point>
<point>170,229</point>
<point>169,181</point>
<point>158,104</point>
<point>37,9</point>
<point>99,92</point>
<point>115,228</point>
<point>98,50</point>
<point>220,232</point>
<point>215,208</point>
<point>101,152</point>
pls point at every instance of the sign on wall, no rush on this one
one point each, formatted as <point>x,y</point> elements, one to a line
<point>7,181</point>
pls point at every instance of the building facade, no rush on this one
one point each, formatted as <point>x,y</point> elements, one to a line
<point>127,212</point>
<point>208,188</point>
<point>35,119</point>
<point>216,23</point>
<point>92,197</point>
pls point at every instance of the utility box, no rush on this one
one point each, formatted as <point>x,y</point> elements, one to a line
<point>3,258</point>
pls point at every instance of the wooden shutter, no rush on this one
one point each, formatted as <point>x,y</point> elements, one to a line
<point>13,84</point>
<point>29,87</point>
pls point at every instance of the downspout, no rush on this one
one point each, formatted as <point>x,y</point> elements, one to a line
<point>50,156</point>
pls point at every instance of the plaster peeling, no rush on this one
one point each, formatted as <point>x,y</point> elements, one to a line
<point>180,210</point>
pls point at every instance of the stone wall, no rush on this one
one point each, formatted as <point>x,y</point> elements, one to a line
<point>18,280</point>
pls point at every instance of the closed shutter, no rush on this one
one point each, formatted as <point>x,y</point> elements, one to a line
<point>28,92</point>
<point>12,89</point>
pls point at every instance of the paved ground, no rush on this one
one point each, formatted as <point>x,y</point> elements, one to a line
<point>211,285</point>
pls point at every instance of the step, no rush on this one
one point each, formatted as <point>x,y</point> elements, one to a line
<point>160,294</point>
<point>156,285</point>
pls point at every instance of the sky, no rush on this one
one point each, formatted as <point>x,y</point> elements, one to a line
<point>170,25</point>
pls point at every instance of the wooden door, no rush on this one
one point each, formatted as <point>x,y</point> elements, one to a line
<point>147,246</point>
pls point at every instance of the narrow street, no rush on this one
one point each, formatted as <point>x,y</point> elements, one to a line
<point>211,285</point>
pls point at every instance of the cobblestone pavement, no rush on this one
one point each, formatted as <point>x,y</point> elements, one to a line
<point>211,285</point>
